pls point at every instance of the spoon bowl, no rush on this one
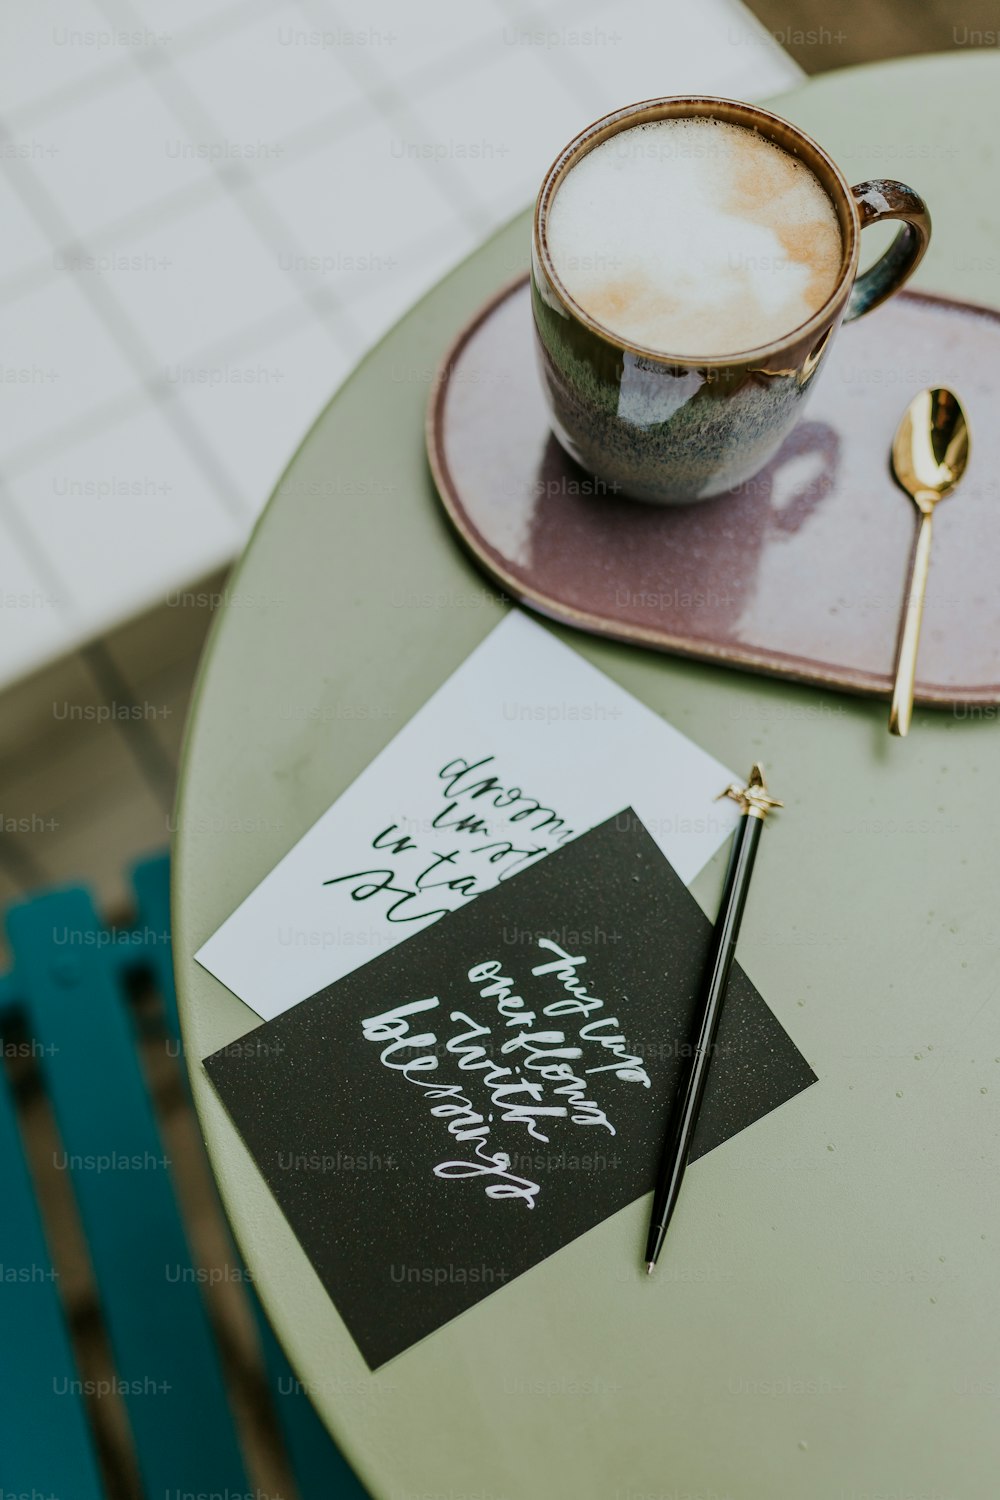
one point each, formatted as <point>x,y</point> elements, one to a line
<point>931,448</point>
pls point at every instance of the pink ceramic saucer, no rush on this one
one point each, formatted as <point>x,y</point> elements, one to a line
<point>801,571</point>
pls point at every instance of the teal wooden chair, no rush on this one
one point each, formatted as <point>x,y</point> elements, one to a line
<point>66,998</point>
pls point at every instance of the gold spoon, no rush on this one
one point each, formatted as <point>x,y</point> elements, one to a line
<point>929,455</point>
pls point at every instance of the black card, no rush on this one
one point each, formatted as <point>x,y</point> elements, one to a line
<point>442,1119</point>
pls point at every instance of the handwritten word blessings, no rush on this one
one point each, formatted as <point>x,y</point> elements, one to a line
<point>494,830</point>
<point>532,1076</point>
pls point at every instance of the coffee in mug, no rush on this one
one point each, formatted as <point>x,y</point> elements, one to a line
<point>699,237</point>
<point>692,260</point>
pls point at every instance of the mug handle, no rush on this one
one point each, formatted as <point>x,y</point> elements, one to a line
<point>885,199</point>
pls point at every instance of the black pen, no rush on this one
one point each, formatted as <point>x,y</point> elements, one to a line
<point>755,804</point>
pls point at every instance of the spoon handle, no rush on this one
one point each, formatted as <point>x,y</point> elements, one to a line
<point>909,640</point>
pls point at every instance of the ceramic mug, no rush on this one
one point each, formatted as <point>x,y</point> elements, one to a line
<point>669,429</point>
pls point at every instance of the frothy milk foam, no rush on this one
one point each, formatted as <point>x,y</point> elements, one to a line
<point>694,237</point>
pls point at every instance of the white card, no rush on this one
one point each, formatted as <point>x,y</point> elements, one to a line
<point>525,746</point>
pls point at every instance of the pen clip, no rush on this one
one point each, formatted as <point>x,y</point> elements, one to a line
<point>754,799</point>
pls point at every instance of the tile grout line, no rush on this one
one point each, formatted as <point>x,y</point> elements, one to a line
<point>37,274</point>
<point>308,139</point>
<point>289,319</point>
<point>422,80</point>
<point>261,217</point>
<point>174,205</point>
<point>292,317</point>
<point>130,343</point>
<point>391,103</point>
<point>234,183</point>
<point>50,577</point>
<point>35,111</point>
<point>575,81</point>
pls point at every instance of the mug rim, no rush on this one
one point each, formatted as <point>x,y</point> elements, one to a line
<point>665,107</point>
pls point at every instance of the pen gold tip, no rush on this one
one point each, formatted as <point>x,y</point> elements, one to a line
<point>650,1267</point>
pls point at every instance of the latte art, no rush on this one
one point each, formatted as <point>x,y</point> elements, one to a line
<point>694,237</point>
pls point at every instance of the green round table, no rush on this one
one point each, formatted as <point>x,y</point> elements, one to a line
<point>828,1323</point>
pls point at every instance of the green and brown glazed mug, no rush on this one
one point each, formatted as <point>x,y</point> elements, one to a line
<point>671,429</point>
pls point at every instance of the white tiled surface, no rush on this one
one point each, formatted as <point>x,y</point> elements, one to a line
<point>274,88</point>
<point>183,284</point>
<point>22,243</point>
<point>212,207</point>
<point>254,409</point>
<point>114,152</point>
<point>152,498</point>
<point>60,360</point>
<point>33,617</point>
